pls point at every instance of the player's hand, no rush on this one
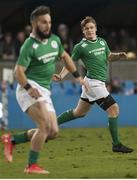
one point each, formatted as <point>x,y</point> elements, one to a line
<point>34,93</point>
<point>123,55</point>
<point>56,77</point>
<point>83,83</point>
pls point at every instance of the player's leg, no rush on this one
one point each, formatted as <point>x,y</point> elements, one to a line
<point>113,112</point>
<point>41,116</point>
<point>80,111</point>
<point>53,130</point>
<point>111,107</point>
<point>23,136</point>
<point>54,127</point>
<point>26,136</point>
<point>10,141</point>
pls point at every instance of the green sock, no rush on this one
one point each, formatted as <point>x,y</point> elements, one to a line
<point>33,157</point>
<point>113,127</point>
<point>20,138</point>
<point>66,116</point>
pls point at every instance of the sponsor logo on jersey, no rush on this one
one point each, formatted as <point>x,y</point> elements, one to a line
<point>102,43</point>
<point>54,44</point>
<point>48,57</point>
<point>97,51</point>
<point>35,45</point>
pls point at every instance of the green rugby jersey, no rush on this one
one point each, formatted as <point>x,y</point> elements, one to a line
<point>39,59</point>
<point>94,55</point>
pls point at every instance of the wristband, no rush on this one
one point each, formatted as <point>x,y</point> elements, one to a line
<point>76,74</point>
<point>27,86</point>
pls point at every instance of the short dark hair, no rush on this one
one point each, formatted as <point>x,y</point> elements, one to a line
<point>86,20</point>
<point>40,10</point>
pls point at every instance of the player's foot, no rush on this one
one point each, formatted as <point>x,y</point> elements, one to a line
<point>35,168</point>
<point>8,146</point>
<point>121,148</point>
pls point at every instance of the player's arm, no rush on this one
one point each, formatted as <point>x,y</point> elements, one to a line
<point>61,75</point>
<point>20,76</point>
<point>114,56</point>
<point>70,67</point>
<point>117,56</point>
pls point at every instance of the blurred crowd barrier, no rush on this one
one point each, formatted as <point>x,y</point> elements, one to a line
<point>62,102</point>
<point>65,96</point>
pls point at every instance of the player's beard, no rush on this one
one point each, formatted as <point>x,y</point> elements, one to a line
<point>42,35</point>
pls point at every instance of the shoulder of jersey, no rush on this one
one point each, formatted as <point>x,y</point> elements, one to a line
<point>101,39</point>
<point>83,43</point>
<point>32,43</point>
<point>28,43</point>
<point>55,36</point>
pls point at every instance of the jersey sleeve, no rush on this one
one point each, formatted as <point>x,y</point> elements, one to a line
<point>107,49</point>
<point>76,55</point>
<point>25,55</point>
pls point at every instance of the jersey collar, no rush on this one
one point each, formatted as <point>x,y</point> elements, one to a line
<point>45,41</point>
<point>94,41</point>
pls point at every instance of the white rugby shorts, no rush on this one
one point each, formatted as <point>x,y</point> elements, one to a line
<point>25,100</point>
<point>97,90</point>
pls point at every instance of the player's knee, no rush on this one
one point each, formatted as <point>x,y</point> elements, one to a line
<point>44,127</point>
<point>30,133</point>
<point>79,114</point>
<point>113,111</point>
<point>54,133</point>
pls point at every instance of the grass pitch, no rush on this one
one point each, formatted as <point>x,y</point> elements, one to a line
<point>78,153</point>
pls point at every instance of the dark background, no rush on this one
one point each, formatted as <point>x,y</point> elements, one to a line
<point>109,13</point>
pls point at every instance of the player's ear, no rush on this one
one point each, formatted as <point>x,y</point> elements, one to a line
<point>83,30</point>
<point>33,23</point>
<point>96,29</point>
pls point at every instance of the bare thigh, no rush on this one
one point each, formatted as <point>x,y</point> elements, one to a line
<point>82,108</point>
<point>41,115</point>
<point>113,110</point>
<point>43,118</point>
<point>54,127</point>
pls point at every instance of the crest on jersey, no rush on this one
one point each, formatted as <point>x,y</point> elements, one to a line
<point>35,45</point>
<point>102,43</point>
<point>54,44</point>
